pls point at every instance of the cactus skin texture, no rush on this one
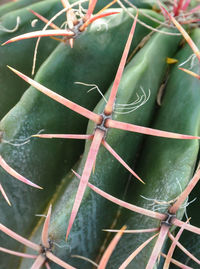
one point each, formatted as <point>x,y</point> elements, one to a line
<point>165,165</point>
<point>110,168</point>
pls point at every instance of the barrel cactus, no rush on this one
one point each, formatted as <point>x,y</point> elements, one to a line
<point>99,134</point>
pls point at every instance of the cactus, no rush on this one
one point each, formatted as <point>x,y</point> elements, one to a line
<point>140,159</point>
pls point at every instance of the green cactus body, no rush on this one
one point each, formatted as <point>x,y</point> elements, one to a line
<point>15,5</point>
<point>86,236</point>
<point>20,54</point>
<point>167,165</point>
<point>36,111</point>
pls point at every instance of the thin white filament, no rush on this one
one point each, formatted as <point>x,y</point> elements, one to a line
<point>20,142</point>
<point>4,29</point>
<point>94,86</point>
<point>134,105</point>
